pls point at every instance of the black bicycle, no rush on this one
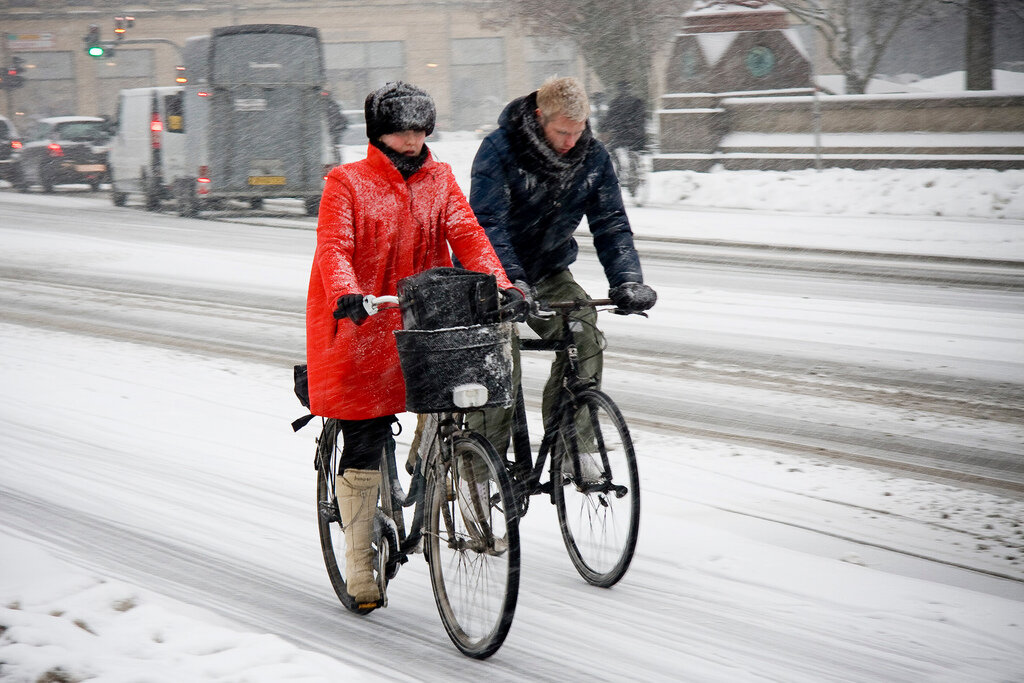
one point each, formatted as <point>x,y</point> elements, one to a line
<point>466,501</point>
<point>464,518</point>
<point>593,480</point>
<point>632,168</point>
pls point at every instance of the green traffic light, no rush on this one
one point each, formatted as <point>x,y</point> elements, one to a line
<point>96,51</point>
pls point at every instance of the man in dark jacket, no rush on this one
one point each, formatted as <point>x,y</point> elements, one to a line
<point>534,179</point>
<point>624,124</point>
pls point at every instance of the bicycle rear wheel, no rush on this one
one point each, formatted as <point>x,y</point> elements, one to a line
<point>472,545</point>
<point>332,536</point>
<point>596,489</point>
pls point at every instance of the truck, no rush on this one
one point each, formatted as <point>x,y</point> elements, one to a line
<point>249,124</point>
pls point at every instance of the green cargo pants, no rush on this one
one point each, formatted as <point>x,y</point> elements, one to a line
<point>496,423</point>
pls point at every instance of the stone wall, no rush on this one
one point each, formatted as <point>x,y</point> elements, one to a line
<point>782,130</point>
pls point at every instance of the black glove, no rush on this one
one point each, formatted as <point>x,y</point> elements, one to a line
<point>351,306</point>
<point>633,297</point>
<point>515,304</point>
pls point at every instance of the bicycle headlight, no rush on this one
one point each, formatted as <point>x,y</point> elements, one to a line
<point>469,395</point>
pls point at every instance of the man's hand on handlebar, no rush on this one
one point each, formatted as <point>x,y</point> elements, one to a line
<point>633,297</point>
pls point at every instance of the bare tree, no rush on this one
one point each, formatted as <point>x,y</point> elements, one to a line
<point>617,38</point>
<point>857,32</point>
<point>982,17</point>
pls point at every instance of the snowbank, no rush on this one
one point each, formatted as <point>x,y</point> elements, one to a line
<point>977,193</point>
<point>970,193</point>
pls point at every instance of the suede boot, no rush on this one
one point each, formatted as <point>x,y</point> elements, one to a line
<point>357,502</point>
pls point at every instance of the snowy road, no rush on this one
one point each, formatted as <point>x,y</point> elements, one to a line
<point>143,432</point>
<point>883,370</point>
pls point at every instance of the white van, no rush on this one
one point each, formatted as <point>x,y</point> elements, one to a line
<point>147,152</point>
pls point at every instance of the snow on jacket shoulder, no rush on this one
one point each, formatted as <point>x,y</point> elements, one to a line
<point>374,229</point>
<point>530,208</point>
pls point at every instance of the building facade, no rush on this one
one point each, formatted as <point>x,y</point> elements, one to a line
<point>470,65</point>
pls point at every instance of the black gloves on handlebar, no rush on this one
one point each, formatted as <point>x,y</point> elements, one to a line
<point>516,303</point>
<point>633,297</point>
<point>351,306</point>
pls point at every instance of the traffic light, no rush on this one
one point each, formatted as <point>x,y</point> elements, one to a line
<point>11,78</point>
<point>94,46</point>
<point>122,24</point>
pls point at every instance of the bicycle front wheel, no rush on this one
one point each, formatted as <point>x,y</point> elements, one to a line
<point>596,489</point>
<point>472,545</point>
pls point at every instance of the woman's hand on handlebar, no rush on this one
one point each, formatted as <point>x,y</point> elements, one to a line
<point>358,308</point>
<point>351,306</point>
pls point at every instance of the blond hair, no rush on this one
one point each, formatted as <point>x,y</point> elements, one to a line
<point>564,96</point>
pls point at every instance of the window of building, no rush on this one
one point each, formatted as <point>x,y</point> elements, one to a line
<point>126,69</point>
<point>47,66</point>
<point>126,64</point>
<point>49,88</point>
<point>546,58</point>
<point>478,82</point>
<point>355,69</point>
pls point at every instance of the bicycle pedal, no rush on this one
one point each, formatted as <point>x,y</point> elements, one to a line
<point>383,602</point>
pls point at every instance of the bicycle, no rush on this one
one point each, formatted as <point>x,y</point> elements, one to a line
<point>467,500</point>
<point>464,521</point>
<point>632,169</point>
<point>593,477</point>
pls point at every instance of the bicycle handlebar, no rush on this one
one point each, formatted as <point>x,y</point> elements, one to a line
<point>576,304</point>
<point>373,304</point>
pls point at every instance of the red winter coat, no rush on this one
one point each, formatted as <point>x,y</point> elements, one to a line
<point>376,228</point>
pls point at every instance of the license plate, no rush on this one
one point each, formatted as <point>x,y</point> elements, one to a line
<point>267,180</point>
<point>90,168</point>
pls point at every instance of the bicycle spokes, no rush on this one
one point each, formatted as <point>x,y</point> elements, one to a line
<point>598,497</point>
<point>473,547</point>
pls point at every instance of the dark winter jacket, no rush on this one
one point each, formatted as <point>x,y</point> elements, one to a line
<point>624,123</point>
<point>530,200</point>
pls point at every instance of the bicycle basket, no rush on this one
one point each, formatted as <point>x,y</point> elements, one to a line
<point>447,297</point>
<point>434,362</point>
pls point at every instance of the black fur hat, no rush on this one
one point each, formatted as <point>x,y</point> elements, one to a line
<point>398,106</point>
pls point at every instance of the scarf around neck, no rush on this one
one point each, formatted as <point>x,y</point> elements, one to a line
<point>406,165</point>
<point>531,148</point>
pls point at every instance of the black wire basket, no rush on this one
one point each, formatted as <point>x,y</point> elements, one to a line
<point>437,363</point>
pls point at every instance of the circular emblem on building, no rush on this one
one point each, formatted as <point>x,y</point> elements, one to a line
<point>760,61</point>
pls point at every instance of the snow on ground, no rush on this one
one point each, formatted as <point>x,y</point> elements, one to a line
<point>63,623</point>
<point>59,625</point>
<point>73,625</point>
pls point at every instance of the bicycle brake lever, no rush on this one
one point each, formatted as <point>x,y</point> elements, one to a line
<point>619,311</point>
<point>543,313</point>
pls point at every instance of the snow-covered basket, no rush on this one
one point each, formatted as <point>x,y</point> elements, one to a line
<point>435,362</point>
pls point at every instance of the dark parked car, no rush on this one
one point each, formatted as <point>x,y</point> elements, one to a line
<point>64,149</point>
<point>10,145</point>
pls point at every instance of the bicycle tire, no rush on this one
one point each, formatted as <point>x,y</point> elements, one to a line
<point>332,536</point>
<point>473,553</point>
<point>599,517</point>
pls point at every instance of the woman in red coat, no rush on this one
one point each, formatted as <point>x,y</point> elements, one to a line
<point>389,216</point>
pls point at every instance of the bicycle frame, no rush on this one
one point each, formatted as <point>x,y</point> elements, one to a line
<point>572,384</point>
